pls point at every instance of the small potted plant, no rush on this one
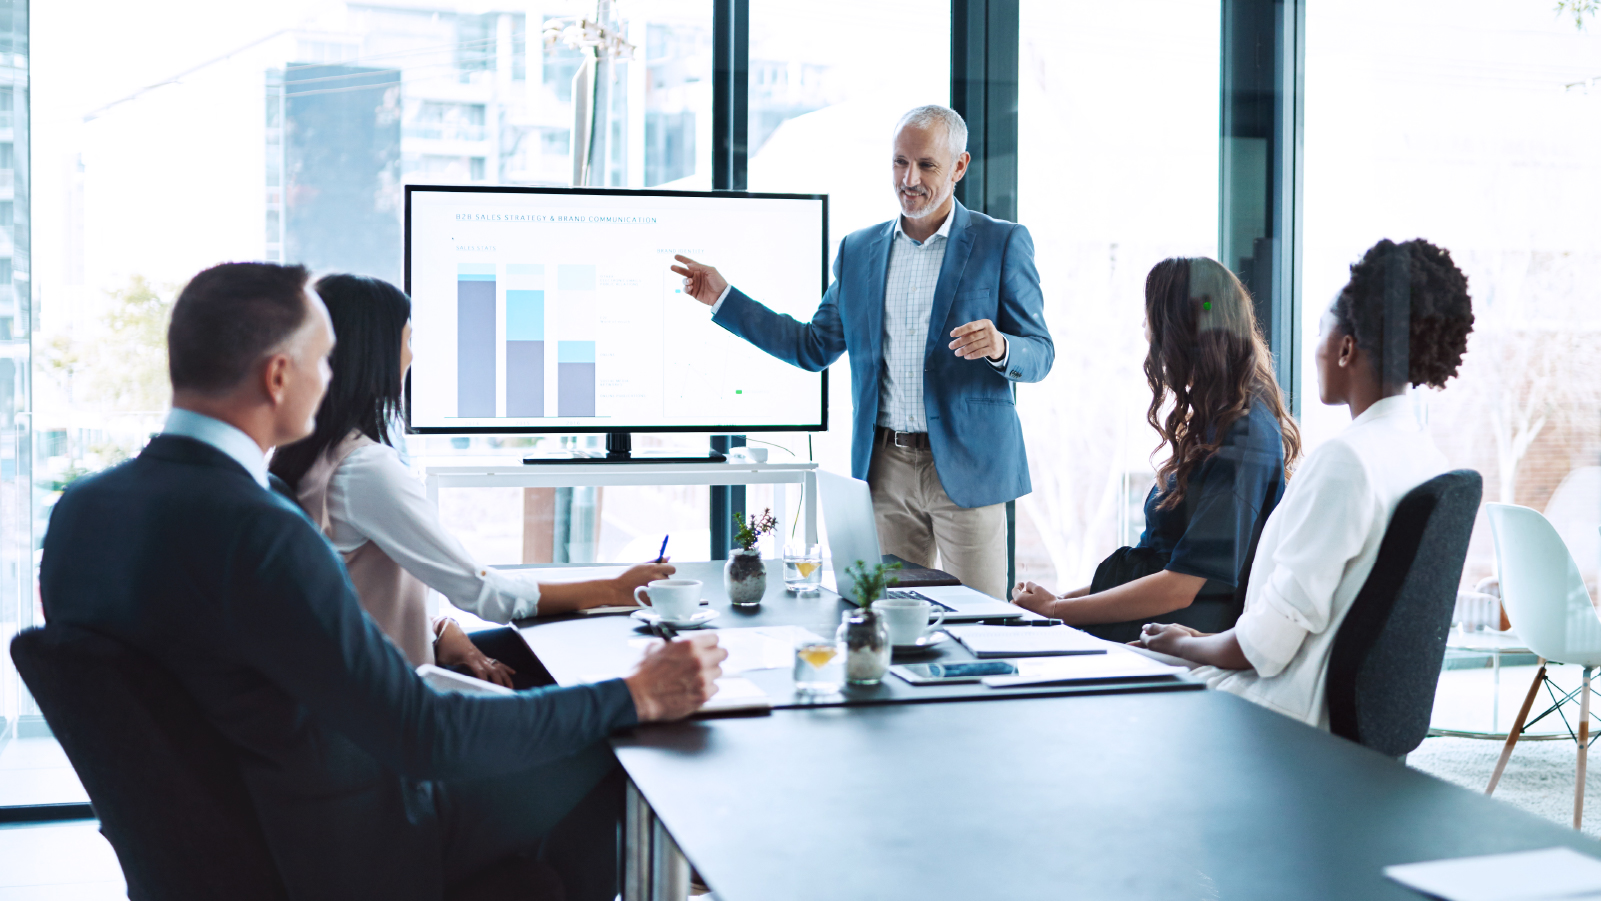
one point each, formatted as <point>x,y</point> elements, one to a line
<point>863,632</point>
<point>745,575</point>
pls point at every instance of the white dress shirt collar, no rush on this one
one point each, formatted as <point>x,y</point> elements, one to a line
<point>222,436</point>
<point>944,230</point>
<point>1398,406</point>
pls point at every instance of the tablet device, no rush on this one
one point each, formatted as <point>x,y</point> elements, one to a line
<point>950,673</point>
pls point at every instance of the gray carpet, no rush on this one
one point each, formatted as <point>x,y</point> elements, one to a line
<point>1538,778</point>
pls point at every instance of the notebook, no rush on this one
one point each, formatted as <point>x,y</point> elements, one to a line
<point>1026,641</point>
<point>1116,664</point>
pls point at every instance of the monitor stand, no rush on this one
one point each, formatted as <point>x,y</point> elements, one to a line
<point>619,449</point>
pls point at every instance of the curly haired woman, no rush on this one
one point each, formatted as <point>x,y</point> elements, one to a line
<point>1220,415</point>
<point>1319,545</point>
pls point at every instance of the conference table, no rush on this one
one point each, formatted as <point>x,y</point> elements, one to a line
<point>1102,792</point>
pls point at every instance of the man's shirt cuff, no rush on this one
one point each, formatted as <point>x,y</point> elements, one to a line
<point>720,298</point>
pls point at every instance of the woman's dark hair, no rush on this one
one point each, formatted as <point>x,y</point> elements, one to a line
<point>369,316</point>
<point>1441,312</point>
<point>1207,356</point>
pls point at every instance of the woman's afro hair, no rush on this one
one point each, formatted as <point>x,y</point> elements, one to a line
<point>1441,310</point>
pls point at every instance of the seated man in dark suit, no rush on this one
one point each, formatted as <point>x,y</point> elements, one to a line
<point>368,784</point>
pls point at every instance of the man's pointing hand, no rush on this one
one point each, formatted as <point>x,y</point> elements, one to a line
<point>700,282</point>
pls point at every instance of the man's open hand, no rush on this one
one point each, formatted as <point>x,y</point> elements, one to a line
<point>676,677</point>
<point>700,282</point>
<point>979,338</point>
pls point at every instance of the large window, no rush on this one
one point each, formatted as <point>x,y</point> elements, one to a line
<point>286,133</point>
<point>1118,163</point>
<point>826,89</point>
<point>1477,131</point>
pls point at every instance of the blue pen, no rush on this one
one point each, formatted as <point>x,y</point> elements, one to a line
<point>661,555</point>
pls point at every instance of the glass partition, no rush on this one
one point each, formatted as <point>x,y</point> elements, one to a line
<point>1117,170</point>
<point>1476,131</point>
<point>826,89</point>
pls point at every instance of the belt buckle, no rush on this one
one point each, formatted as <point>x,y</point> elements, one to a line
<point>895,439</point>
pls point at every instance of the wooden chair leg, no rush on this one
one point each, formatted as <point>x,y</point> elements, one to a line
<point>1584,747</point>
<point>1517,728</point>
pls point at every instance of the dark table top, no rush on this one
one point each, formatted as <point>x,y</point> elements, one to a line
<point>1187,795</point>
<point>574,648</point>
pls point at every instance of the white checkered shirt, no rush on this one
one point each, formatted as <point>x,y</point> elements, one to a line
<point>908,303</point>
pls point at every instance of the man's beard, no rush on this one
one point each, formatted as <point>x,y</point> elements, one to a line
<point>935,203</point>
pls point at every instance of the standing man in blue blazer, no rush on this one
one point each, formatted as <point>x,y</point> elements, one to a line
<point>940,311</point>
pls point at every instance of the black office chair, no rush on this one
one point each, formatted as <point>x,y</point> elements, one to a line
<point>162,780</point>
<point>1385,663</point>
<point>165,783</point>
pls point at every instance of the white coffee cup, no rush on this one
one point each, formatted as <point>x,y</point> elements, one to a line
<point>674,599</point>
<point>908,618</point>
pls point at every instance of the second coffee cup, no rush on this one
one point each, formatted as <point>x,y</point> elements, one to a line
<point>674,599</point>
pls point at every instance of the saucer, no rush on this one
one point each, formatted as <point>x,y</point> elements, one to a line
<point>924,643</point>
<point>694,620</point>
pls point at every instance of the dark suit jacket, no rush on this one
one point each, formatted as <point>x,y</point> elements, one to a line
<point>181,554</point>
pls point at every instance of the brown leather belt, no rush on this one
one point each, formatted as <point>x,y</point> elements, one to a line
<point>892,438</point>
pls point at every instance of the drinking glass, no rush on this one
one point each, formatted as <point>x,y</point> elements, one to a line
<point>803,568</point>
<point>819,666</point>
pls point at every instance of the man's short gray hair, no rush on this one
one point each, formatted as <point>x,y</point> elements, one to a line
<point>955,126</point>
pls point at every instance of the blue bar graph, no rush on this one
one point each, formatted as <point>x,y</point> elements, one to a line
<point>575,378</point>
<point>475,339</point>
<point>525,351</point>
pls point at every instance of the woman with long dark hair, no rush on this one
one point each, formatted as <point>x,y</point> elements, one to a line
<point>350,479</point>
<point>1230,444</point>
<point>1320,545</point>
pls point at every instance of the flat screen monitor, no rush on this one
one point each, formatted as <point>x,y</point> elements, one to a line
<point>555,310</point>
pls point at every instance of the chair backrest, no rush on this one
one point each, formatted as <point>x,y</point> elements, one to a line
<point>1541,591</point>
<point>163,781</point>
<point>1385,663</point>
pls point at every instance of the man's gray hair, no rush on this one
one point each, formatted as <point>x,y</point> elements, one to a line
<point>955,127</point>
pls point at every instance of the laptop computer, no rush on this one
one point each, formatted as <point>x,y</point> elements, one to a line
<point>853,536</point>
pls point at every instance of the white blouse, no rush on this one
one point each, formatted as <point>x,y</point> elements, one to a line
<point>373,497</point>
<point>1315,553</point>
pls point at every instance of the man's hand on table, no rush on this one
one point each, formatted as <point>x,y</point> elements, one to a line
<point>676,677</point>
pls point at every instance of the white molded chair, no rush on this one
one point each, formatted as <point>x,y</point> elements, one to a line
<point>1551,612</point>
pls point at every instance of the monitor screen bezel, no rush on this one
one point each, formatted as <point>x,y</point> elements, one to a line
<point>718,429</point>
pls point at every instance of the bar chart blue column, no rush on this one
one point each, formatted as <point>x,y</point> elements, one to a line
<point>575,378</point>
<point>525,340</point>
<point>575,344</point>
<point>475,340</point>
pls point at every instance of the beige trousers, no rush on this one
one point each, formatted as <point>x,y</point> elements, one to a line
<point>916,519</point>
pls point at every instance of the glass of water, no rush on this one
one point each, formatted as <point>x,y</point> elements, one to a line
<point>803,568</point>
<point>819,666</point>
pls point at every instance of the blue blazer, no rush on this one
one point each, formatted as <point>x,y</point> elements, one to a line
<point>181,555</point>
<point>973,428</point>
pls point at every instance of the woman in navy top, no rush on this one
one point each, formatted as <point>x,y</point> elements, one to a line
<point>1230,442</point>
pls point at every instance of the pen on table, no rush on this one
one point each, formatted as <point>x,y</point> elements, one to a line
<point>661,555</point>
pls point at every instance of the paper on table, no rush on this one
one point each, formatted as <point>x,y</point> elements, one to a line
<point>1525,876</point>
<point>762,647</point>
<point>1115,664</point>
<point>572,573</point>
<point>736,693</point>
<point>1027,641</point>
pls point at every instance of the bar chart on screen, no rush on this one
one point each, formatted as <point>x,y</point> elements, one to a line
<point>539,312</point>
